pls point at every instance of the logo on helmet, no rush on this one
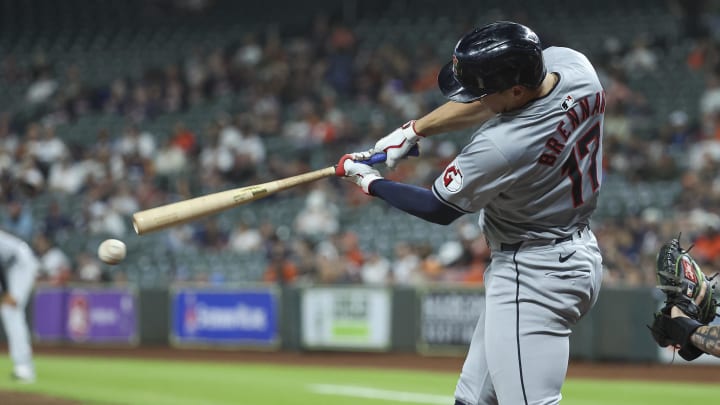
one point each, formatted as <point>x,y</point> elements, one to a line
<point>456,70</point>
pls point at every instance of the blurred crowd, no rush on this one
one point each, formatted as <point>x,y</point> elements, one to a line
<point>302,92</point>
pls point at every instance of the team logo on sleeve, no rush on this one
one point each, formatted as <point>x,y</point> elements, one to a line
<point>453,178</point>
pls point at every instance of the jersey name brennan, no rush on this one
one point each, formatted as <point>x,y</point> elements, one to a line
<point>576,115</point>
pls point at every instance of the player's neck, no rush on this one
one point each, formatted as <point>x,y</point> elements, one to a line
<point>547,85</point>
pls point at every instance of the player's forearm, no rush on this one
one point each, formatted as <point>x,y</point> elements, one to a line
<point>453,116</point>
<point>707,339</point>
<point>414,200</point>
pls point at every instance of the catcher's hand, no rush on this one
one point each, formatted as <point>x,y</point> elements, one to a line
<point>686,289</point>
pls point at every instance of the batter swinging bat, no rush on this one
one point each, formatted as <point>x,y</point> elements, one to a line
<point>168,215</point>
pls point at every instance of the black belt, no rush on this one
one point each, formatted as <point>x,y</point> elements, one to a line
<point>511,247</point>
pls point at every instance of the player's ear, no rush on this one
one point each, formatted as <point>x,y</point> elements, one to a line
<point>518,91</point>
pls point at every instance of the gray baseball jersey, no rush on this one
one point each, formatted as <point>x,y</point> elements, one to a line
<point>535,174</point>
<point>21,267</point>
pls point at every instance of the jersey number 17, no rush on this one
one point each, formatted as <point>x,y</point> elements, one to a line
<point>588,144</point>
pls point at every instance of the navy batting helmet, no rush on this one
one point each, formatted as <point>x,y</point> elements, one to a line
<point>491,59</point>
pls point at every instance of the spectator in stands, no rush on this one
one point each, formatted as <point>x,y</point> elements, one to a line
<point>117,99</point>
<point>56,222</point>
<point>209,235</point>
<point>214,158</point>
<point>405,266</point>
<point>244,238</point>
<point>249,53</point>
<point>430,266</point>
<point>330,264</point>
<point>28,177</point>
<point>134,142</point>
<point>280,268</point>
<point>123,200</point>
<point>17,218</point>
<point>9,139</point>
<point>305,260</point>
<point>173,100</point>
<point>66,176</point>
<point>479,260</point>
<point>170,159</point>
<point>340,50</point>
<point>679,132</point>
<point>706,246</point>
<point>55,265</point>
<point>249,146</point>
<point>375,270</point>
<point>42,88</point>
<point>319,216</point>
<point>709,103</point>
<point>89,268</point>
<point>641,59</point>
<point>184,138</point>
<point>47,149</point>
<point>309,129</point>
<point>100,217</point>
<point>351,256</point>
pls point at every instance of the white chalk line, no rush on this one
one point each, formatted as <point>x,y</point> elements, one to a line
<point>374,393</point>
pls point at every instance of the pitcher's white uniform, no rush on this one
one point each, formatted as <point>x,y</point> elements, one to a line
<point>20,266</point>
<point>535,173</point>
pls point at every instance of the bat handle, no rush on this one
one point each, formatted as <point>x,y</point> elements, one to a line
<point>382,156</point>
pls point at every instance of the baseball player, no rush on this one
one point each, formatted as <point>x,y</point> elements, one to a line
<point>18,269</point>
<point>691,303</point>
<point>533,171</point>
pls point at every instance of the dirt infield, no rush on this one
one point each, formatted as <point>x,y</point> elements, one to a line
<point>26,398</point>
<point>610,371</point>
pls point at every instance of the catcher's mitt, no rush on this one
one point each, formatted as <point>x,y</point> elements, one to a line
<point>687,287</point>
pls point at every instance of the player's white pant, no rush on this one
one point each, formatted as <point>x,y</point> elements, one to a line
<point>520,348</point>
<point>21,278</point>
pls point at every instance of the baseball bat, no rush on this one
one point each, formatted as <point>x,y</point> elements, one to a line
<point>181,212</point>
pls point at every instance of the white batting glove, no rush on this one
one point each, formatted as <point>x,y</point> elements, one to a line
<point>397,144</point>
<point>358,173</point>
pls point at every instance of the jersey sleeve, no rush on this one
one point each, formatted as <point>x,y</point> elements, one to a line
<point>477,175</point>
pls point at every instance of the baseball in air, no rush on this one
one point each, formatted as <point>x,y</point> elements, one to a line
<point>112,251</point>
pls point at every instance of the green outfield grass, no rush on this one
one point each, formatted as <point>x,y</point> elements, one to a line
<point>143,382</point>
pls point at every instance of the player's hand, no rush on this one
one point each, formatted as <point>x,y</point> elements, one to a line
<point>396,145</point>
<point>677,312</point>
<point>359,173</point>
<point>8,299</point>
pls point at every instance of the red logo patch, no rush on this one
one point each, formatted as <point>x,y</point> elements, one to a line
<point>689,270</point>
<point>453,178</point>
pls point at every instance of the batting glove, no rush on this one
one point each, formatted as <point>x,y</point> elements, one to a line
<point>359,173</point>
<point>397,144</point>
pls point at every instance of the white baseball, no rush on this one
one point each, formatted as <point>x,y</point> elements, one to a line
<point>112,251</point>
